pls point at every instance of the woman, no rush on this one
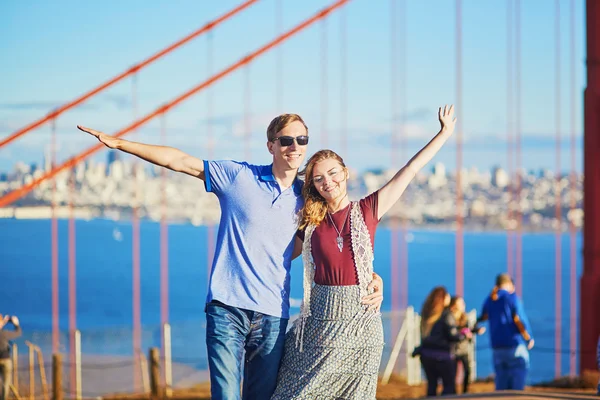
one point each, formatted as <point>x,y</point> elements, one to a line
<point>334,348</point>
<point>461,350</point>
<point>439,335</point>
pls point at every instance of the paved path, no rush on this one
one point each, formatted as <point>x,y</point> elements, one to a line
<point>523,396</point>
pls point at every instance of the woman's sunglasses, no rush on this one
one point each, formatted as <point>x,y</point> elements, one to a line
<point>285,141</point>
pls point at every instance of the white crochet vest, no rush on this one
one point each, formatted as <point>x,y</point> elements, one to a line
<point>363,260</point>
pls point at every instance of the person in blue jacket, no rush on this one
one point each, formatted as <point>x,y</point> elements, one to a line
<point>510,334</point>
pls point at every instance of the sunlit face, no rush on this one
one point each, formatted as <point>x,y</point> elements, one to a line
<point>460,305</point>
<point>447,299</point>
<point>292,156</point>
<point>511,287</point>
<point>329,178</point>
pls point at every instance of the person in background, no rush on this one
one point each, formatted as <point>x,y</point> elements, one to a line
<point>598,359</point>
<point>510,334</point>
<point>461,351</point>
<point>439,336</point>
<point>6,367</point>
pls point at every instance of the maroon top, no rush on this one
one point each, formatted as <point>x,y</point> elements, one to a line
<point>332,267</point>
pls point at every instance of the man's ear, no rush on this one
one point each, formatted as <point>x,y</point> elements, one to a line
<point>270,146</point>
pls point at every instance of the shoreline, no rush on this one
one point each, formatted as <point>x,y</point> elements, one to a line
<point>95,214</point>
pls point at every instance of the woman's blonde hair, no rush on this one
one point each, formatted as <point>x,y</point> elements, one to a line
<point>432,309</point>
<point>315,206</point>
<point>460,316</point>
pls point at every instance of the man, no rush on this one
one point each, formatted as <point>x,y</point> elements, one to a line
<point>247,306</point>
<point>510,334</point>
<point>6,367</point>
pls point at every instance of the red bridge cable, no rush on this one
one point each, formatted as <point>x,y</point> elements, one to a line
<point>324,82</point>
<point>164,236</point>
<point>403,149</point>
<point>247,114</point>
<point>210,140</point>
<point>72,281</point>
<point>395,234</point>
<point>459,139</point>
<point>343,84</point>
<point>510,234</point>
<point>279,57</point>
<point>573,203</point>
<point>135,255</point>
<point>518,160</point>
<point>164,249</point>
<point>54,235</point>
<point>557,200</point>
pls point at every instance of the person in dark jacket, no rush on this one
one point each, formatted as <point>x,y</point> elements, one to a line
<point>5,361</point>
<point>510,334</point>
<point>439,335</point>
<point>462,352</point>
<point>598,359</point>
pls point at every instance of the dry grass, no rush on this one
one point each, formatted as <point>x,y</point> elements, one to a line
<point>588,380</point>
<point>398,389</point>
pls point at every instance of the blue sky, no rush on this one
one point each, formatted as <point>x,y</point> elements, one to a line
<point>54,51</point>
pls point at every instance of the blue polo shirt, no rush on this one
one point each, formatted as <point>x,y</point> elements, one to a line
<point>253,255</point>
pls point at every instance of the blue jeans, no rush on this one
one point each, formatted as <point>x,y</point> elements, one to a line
<point>511,365</point>
<point>234,334</point>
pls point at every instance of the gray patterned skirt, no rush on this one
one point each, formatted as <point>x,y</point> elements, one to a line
<point>341,349</point>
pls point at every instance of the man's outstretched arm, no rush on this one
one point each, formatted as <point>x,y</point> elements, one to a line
<point>164,156</point>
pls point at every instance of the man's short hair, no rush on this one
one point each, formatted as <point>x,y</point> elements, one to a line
<point>280,122</point>
<point>503,279</point>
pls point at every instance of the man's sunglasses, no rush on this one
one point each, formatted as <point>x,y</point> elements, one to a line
<point>285,141</point>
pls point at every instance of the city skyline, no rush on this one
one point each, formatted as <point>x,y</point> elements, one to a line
<point>113,189</point>
<point>115,155</point>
